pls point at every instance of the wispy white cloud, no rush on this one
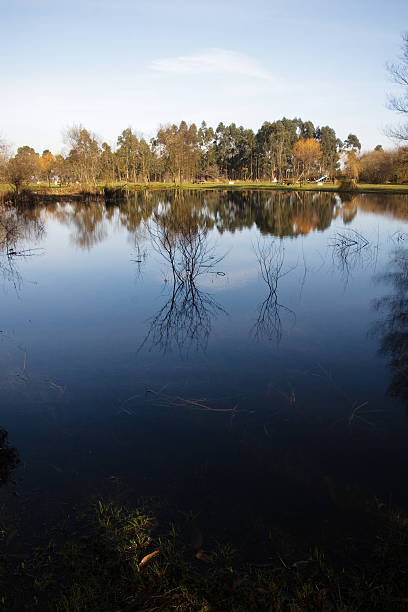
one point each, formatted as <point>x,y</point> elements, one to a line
<point>216,61</point>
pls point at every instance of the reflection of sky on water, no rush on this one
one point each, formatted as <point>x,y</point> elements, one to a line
<point>82,314</point>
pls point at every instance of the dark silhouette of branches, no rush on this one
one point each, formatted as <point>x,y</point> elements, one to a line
<point>392,328</point>
<point>185,320</point>
<point>350,250</point>
<point>399,75</point>
<point>16,231</point>
<point>271,256</point>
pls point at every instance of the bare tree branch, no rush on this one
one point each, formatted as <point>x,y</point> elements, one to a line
<point>399,75</point>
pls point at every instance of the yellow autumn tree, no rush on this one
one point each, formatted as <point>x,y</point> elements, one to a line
<point>47,162</point>
<point>307,154</point>
<point>352,165</point>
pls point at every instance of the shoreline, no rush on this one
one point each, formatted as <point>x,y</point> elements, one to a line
<point>117,191</point>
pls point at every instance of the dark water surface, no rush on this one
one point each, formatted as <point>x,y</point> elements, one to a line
<point>243,356</point>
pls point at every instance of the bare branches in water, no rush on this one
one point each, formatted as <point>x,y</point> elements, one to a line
<point>185,320</point>
<point>140,258</point>
<point>18,229</point>
<point>349,242</point>
<point>271,258</point>
<point>350,250</point>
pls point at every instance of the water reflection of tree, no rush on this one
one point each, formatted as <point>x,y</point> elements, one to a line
<point>19,230</point>
<point>185,320</point>
<point>271,258</point>
<point>8,457</point>
<point>277,213</point>
<point>393,327</point>
<point>86,221</point>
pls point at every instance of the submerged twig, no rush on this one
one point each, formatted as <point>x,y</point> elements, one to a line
<point>179,401</point>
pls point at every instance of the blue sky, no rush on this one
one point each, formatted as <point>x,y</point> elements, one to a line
<point>110,64</point>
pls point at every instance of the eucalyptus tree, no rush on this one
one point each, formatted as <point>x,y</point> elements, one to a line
<point>178,147</point>
<point>208,159</point>
<point>264,152</point>
<point>107,163</point>
<point>352,142</point>
<point>306,129</point>
<point>134,158</point>
<point>222,148</point>
<point>146,157</point>
<point>242,146</point>
<point>127,155</point>
<point>330,150</point>
<point>83,157</point>
<point>247,153</point>
<point>275,144</point>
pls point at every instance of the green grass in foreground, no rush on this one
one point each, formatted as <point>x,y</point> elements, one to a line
<point>93,562</point>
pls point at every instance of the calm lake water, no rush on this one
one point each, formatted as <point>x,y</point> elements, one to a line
<point>241,355</point>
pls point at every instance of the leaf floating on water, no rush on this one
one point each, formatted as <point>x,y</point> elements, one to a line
<point>148,558</point>
<point>202,556</point>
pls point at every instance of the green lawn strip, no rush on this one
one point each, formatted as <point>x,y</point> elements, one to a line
<point>120,189</point>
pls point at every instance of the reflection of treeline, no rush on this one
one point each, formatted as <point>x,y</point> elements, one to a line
<point>280,213</point>
<point>19,227</point>
<point>276,213</point>
<point>394,205</point>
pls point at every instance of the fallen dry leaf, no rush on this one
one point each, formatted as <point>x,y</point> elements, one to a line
<point>148,558</point>
<point>202,556</point>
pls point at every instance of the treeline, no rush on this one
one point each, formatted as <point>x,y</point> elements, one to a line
<point>286,150</point>
<point>379,166</point>
<point>282,150</point>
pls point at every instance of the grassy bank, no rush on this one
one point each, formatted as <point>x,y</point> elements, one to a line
<point>81,191</point>
<point>112,558</point>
